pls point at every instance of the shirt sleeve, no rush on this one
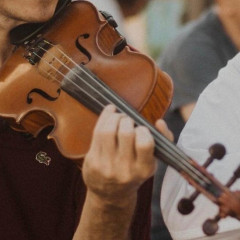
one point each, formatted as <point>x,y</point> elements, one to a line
<point>215,119</point>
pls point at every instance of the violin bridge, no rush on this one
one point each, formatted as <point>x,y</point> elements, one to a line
<point>54,64</point>
<point>50,60</point>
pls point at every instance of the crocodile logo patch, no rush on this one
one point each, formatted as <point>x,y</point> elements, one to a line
<point>42,158</point>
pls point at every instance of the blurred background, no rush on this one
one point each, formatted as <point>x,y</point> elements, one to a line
<point>159,21</point>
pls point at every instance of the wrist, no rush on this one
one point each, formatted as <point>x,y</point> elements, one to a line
<point>115,202</point>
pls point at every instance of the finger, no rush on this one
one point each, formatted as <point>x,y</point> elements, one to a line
<point>237,194</point>
<point>223,214</point>
<point>126,136</point>
<point>224,211</point>
<point>144,144</point>
<point>96,139</point>
<point>164,130</point>
<point>108,110</point>
<point>107,134</point>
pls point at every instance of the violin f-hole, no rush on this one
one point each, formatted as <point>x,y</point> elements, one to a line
<point>43,94</point>
<point>82,49</point>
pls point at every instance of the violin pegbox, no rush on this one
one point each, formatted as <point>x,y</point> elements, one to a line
<point>210,226</point>
<point>185,205</point>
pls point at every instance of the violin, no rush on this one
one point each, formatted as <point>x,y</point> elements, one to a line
<point>62,73</point>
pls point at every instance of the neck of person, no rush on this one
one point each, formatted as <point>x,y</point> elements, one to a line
<point>231,24</point>
<point>5,46</point>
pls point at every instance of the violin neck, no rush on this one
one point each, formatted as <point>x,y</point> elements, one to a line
<point>94,94</point>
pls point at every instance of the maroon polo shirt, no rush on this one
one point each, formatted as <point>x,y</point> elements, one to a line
<point>42,200</point>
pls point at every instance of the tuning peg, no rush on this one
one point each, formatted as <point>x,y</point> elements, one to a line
<point>217,151</point>
<point>235,176</point>
<point>185,205</point>
<point>210,226</point>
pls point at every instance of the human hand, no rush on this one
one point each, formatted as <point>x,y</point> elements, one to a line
<point>230,204</point>
<point>120,158</point>
<point>163,128</point>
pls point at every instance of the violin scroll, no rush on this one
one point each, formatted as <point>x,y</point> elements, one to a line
<point>229,202</point>
<point>229,206</point>
<point>185,205</point>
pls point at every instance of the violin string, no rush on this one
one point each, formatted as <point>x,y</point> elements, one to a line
<point>59,81</point>
<point>167,153</point>
<point>82,69</point>
<point>172,154</point>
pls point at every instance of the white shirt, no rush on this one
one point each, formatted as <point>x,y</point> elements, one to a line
<point>215,119</point>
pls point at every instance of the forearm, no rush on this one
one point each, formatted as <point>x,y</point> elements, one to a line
<point>119,161</point>
<point>104,220</point>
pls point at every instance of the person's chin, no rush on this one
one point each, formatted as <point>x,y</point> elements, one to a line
<point>40,18</point>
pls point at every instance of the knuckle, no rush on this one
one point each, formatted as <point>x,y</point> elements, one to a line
<point>90,165</point>
<point>126,134</point>
<point>144,146</point>
<point>98,170</point>
<point>103,133</point>
<point>142,129</point>
<point>147,173</point>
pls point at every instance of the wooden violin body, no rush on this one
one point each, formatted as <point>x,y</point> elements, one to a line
<point>33,95</point>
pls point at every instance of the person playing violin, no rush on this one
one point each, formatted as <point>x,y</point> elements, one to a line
<point>46,196</point>
<point>233,203</point>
